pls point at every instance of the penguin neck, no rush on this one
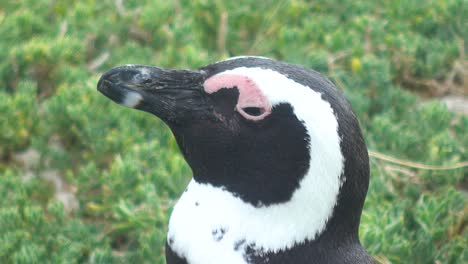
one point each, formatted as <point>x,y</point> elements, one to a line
<point>338,241</point>
<point>207,206</point>
<point>209,217</point>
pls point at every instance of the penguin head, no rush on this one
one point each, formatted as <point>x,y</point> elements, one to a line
<point>268,132</point>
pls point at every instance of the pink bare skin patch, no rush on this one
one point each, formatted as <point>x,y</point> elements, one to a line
<point>250,95</point>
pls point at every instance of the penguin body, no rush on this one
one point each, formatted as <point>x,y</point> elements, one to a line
<point>280,168</point>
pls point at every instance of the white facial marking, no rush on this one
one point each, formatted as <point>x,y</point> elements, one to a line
<point>246,56</point>
<point>249,94</point>
<point>131,99</point>
<point>278,226</point>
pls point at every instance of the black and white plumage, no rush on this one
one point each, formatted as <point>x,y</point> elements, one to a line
<point>280,168</point>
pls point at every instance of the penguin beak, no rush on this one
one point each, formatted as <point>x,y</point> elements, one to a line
<point>173,95</point>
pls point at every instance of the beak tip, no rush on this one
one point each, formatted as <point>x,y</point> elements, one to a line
<point>99,85</point>
<point>119,94</point>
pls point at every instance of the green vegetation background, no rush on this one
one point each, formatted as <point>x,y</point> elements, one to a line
<point>119,171</point>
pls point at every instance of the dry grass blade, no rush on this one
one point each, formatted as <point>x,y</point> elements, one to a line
<point>416,165</point>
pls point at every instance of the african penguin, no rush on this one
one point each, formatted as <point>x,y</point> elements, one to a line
<point>280,167</point>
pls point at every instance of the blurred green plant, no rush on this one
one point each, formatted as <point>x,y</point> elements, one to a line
<point>123,167</point>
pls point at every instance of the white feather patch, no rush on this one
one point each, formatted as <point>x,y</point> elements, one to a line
<point>131,99</point>
<point>246,56</point>
<point>275,227</point>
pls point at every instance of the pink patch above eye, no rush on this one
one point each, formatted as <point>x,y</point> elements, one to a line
<point>249,93</point>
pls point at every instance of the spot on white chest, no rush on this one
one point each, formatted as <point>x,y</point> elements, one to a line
<point>204,230</point>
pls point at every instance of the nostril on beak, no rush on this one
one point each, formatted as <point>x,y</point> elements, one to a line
<point>143,77</point>
<point>130,74</point>
<point>126,76</point>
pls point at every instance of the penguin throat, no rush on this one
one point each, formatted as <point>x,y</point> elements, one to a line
<point>212,225</point>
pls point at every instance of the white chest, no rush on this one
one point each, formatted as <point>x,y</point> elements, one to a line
<point>204,227</point>
<point>209,225</point>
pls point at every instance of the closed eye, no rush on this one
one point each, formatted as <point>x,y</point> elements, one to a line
<point>253,111</point>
